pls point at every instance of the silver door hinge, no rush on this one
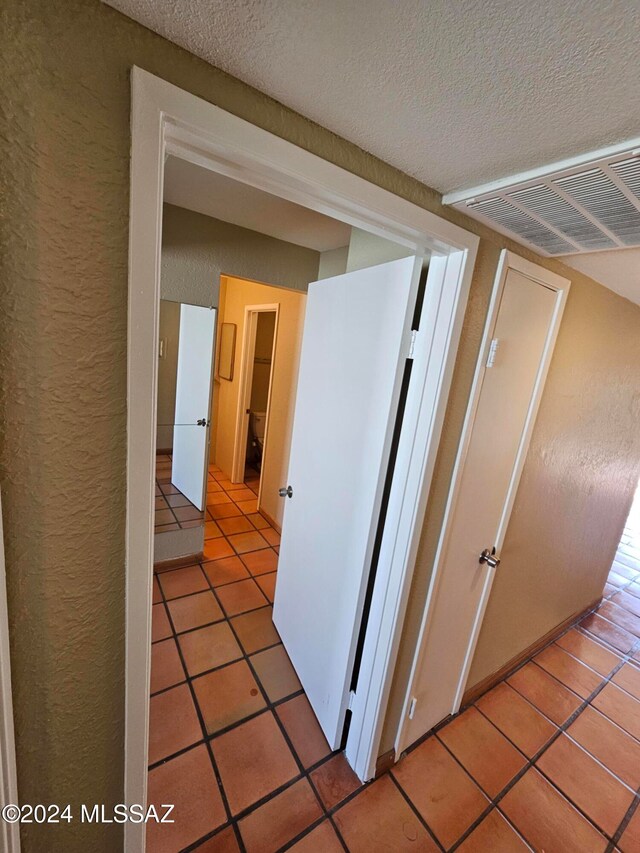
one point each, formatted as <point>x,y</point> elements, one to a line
<point>493,349</point>
<point>412,707</point>
<point>412,343</point>
<point>352,699</point>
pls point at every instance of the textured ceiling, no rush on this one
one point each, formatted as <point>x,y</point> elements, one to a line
<point>453,92</point>
<point>199,189</point>
<point>619,270</point>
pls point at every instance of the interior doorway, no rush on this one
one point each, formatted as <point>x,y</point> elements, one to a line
<point>391,516</point>
<point>260,366</point>
<point>253,401</point>
<point>258,347</point>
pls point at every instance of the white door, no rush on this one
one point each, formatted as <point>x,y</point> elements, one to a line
<point>193,400</point>
<point>356,339</point>
<point>508,388</point>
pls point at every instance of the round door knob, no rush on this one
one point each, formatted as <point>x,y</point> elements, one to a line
<point>285,492</point>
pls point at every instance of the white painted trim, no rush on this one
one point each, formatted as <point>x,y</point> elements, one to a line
<point>435,350</point>
<point>622,149</point>
<point>145,241</point>
<point>508,261</point>
<point>167,119</point>
<point>9,832</point>
<point>249,331</point>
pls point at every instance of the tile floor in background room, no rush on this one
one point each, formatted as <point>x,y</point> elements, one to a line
<point>173,509</point>
<point>549,760</point>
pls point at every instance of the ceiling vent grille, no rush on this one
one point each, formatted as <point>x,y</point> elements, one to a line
<point>591,204</point>
<point>600,197</point>
<point>520,223</point>
<point>629,173</point>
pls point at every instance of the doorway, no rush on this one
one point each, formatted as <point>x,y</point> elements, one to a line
<point>254,402</point>
<point>520,334</point>
<point>239,150</point>
<point>260,366</point>
<point>225,697</point>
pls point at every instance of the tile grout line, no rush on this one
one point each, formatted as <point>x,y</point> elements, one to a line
<point>626,657</point>
<point>624,823</point>
<point>415,810</point>
<point>209,624</point>
<point>270,706</point>
<point>214,765</point>
<point>494,803</point>
<point>530,762</point>
<point>504,680</point>
<point>243,656</point>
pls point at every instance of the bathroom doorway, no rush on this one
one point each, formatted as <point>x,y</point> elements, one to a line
<point>257,368</point>
<point>254,390</point>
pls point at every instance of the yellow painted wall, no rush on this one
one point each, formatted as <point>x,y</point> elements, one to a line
<point>235,295</point>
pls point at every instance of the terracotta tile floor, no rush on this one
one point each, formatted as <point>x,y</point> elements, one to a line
<point>549,760</point>
<point>173,509</point>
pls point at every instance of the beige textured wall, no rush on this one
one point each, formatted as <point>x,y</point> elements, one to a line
<point>236,294</point>
<point>367,250</point>
<point>64,180</point>
<point>333,262</point>
<point>578,481</point>
<point>197,250</point>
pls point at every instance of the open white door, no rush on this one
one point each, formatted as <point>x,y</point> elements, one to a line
<point>356,339</point>
<point>193,401</point>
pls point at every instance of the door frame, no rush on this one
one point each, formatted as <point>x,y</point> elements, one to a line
<point>249,331</point>
<point>167,120</point>
<point>508,261</point>
<point>9,832</point>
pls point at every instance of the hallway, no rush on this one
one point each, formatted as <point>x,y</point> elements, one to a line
<point>547,760</point>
